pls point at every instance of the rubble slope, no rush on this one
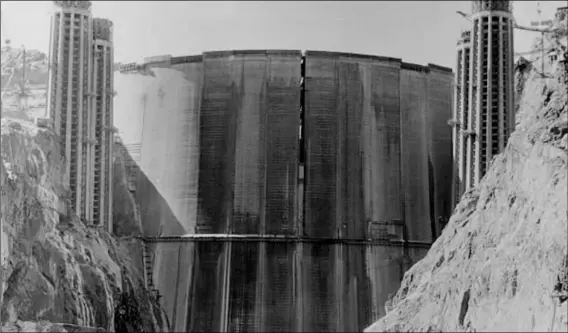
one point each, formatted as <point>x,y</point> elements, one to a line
<point>504,250</point>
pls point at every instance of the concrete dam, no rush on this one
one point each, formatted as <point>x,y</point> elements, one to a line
<point>285,191</point>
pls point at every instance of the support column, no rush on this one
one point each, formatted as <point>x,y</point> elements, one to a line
<point>59,86</point>
<point>479,85</point>
<point>489,106</point>
<point>69,109</point>
<point>510,98</point>
<point>92,136</point>
<point>110,139</point>
<point>502,88</point>
<point>80,107</point>
<point>463,125</point>
<point>103,136</point>
<point>469,139</point>
<point>88,135</point>
<point>48,105</point>
<point>455,132</point>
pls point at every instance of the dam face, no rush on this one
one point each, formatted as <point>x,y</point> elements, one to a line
<point>244,286</point>
<point>249,132</point>
<point>328,169</point>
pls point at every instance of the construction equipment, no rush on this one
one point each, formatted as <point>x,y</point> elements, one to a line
<point>22,94</point>
<point>9,66</point>
<point>44,123</point>
<point>531,52</point>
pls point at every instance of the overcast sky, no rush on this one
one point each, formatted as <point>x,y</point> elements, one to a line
<point>416,31</point>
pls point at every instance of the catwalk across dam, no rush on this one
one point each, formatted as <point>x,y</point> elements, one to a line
<point>285,191</point>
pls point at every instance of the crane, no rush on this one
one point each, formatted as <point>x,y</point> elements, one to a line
<point>532,52</point>
<point>515,25</point>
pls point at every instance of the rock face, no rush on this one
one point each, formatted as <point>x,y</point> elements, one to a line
<point>126,216</point>
<point>505,248</point>
<point>57,274</point>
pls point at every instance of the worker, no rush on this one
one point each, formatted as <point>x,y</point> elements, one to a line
<point>560,291</point>
<point>442,222</point>
<point>388,303</point>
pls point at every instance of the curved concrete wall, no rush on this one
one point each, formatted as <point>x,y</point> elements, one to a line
<point>414,159</point>
<point>376,141</point>
<point>378,145</point>
<point>169,155</point>
<point>207,286</point>
<point>352,143</point>
<point>440,103</point>
<point>249,124</point>
<point>160,113</point>
<point>220,154</point>
<point>426,163</point>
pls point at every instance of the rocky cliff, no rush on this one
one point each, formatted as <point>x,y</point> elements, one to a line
<point>56,273</point>
<point>504,251</point>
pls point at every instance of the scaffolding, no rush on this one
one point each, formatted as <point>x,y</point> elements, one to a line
<point>148,265</point>
<point>67,107</point>
<point>80,93</point>
<point>488,109</point>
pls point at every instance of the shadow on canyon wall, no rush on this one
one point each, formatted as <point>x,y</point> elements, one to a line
<point>144,210</point>
<point>439,216</point>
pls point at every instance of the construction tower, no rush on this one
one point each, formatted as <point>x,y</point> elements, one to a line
<point>491,111</point>
<point>103,129</point>
<point>461,114</point>
<point>80,100</point>
<point>70,50</point>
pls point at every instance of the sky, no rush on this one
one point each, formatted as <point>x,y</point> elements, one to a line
<point>417,31</point>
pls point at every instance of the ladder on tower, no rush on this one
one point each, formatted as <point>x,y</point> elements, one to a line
<point>148,276</point>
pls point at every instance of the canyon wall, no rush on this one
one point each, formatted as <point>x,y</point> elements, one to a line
<point>503,255</point>
<point>57,274</point>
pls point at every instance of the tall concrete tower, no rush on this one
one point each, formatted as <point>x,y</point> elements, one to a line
<point>491,96</point>
<point>69,81</point>
<point>461,114</point>
<point>102,121</point>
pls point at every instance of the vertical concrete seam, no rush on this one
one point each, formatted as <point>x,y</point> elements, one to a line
<point>264,134</point>
<point>302,149</point>
<point>401,170</point>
